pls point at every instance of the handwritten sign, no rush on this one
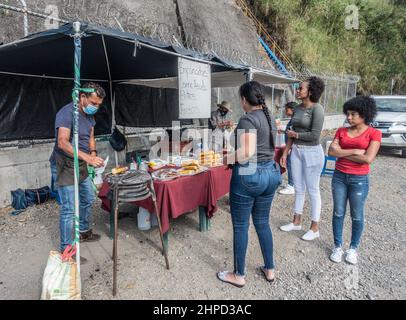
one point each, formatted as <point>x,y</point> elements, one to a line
<point>194,89</point>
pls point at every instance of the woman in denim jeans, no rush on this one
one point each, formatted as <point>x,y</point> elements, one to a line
<point>254,181</point>
<point>355,147</point>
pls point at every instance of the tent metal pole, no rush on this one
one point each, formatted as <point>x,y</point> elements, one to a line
<point>112,96</point>
<point>78,51</point>
<point>113,121</point>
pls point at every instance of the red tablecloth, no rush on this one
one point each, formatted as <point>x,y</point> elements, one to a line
<point>182,195</point>
<point>176,197</point>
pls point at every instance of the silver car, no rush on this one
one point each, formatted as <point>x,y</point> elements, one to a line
<point>391,120</point>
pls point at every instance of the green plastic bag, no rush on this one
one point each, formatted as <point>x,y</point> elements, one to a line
<point>92,174</point>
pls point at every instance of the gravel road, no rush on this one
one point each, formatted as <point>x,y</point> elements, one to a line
<point>303,269</point>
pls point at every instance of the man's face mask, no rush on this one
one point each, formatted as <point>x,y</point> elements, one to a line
<point>90,109</point>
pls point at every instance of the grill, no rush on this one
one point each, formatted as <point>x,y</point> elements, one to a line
<point>130,187</point>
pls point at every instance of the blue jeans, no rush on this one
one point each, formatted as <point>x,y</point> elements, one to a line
<point>67,212</point>
<point>289,169</point>
<point>253,194</point>
<point>54,188</point>
<point>354,189</point>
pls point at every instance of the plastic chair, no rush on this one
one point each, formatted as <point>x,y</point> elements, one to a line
<point>328,168</point>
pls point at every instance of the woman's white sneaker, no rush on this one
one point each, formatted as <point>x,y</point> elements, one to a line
<point>351,256</point>
<point>287,190</point>
<point>337,255</point>
<point>311,235</point>
<point>291,227</point>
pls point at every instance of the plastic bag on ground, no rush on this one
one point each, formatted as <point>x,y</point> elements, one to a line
<point>61,280</point>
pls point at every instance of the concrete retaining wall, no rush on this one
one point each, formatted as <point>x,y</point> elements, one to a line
<point>28,168</point>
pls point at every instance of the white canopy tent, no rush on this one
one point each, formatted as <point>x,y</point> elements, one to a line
<point>221,79</point>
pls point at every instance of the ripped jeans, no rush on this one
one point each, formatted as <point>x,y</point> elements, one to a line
<point>354,189</point>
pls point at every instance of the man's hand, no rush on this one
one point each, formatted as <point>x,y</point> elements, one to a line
<point>95,161</point>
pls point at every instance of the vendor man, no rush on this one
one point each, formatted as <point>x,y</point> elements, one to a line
<point>62,164</point>
<point>221,118</point>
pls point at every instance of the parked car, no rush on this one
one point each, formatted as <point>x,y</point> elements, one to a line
<point>391,120</point>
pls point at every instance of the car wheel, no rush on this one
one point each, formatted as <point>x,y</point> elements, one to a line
<point>403,153</point>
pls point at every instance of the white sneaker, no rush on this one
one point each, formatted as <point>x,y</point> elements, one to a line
<point>337,255</point>
<point>351,256</point>
<point>287,190</point>
<point>310,235</point>
<point>291,227</point>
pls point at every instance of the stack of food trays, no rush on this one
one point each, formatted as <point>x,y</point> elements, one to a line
<point>210,159</point>
<point>191,167</point>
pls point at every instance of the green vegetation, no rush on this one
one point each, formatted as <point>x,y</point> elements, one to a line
<point>314,33</point>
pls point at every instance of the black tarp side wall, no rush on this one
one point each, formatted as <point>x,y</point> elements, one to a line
<point>146,107</point>
<point>28,107</point>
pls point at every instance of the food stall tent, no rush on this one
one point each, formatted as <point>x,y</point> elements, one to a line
<point>36,76</point>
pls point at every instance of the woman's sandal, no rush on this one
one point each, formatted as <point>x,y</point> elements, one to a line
<point>265,275</point>
<point>222,277</point>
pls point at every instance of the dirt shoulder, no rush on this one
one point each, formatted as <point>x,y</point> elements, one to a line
<point>303,269</point>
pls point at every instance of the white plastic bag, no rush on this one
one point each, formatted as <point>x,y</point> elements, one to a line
<point>98,179</point>
<point>61,279</point>
<point>280,140</point>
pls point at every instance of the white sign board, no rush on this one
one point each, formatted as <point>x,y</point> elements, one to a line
<point>194,89</point>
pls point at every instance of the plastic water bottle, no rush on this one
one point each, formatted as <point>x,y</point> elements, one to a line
<point>143,219</point>
<point>143,166</point>
<point>154,220</point>
<point>280,140</point>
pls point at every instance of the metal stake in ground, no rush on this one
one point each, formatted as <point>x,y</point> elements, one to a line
<point>116,204</point>
<point>76,91</point>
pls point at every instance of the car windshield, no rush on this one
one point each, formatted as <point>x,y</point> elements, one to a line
<point>391,105</point>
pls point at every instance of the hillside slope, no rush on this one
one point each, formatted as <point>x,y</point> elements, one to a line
<point>313,33</point>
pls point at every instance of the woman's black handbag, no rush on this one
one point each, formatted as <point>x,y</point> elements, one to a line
<point>117,140</point>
